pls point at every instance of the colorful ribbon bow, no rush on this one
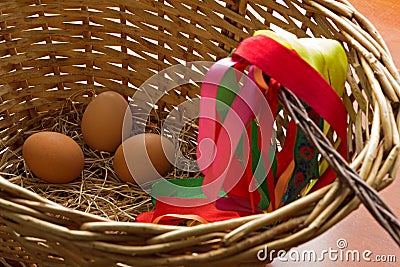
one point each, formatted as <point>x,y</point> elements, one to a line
<point>237,113</point>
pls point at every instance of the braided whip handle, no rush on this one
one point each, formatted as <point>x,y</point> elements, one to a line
<point>367,195</point>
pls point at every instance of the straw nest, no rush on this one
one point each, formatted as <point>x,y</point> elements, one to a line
<point>98,190</point>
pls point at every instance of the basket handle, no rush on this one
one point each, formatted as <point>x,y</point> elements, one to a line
<point>367,194</point>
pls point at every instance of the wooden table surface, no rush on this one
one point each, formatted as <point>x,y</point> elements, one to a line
<point>359,229</point>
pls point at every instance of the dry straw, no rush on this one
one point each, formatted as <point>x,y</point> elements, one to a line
<point>56,55</point>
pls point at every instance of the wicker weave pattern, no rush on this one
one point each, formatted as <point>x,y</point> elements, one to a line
<point>52,51</point>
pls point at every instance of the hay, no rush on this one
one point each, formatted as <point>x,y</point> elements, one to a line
<point>98,190</point>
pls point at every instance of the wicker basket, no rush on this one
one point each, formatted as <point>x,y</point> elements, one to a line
<point>52,50</point>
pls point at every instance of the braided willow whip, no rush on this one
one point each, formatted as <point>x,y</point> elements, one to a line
<point>368,195</point>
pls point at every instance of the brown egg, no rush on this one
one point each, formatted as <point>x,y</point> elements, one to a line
<point>143,158</point>
<point>102,121</point>
<point>53,157</point>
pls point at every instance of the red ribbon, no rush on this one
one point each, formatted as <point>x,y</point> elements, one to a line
<point>287,67</point>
